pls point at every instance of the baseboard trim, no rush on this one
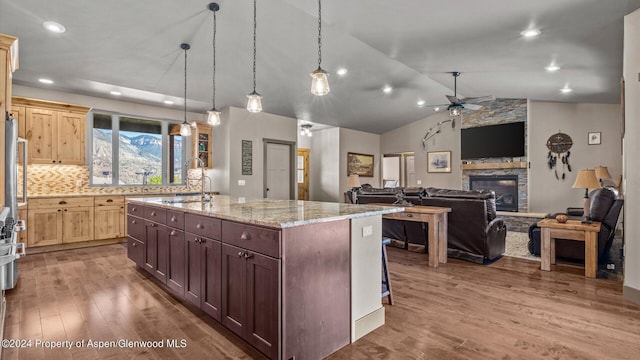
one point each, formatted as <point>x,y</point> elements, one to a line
<point>368,323</point>
<point>631,294</point>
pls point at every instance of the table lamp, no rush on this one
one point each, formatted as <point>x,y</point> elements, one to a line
<point>354,181</point>
<point>586,180</point>
<point>602,173</point>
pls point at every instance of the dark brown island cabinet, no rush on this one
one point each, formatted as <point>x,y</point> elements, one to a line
<point>295,292</point>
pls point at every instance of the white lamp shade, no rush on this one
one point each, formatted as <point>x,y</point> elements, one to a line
<point>213,117</point>
<point>319,82</point>
<point>185,129</point>
<point>354,181</point>
<point>254,104</point>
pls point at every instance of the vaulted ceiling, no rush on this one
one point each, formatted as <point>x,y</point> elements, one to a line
<point>134,47</point>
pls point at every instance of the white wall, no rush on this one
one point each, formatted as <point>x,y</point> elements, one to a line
<point>631,150</point>
<point>239,124</point>
<point>159,112</point>
<point>546,193</point>
<point>362,143</point>
<point>324,172</point>
<point>408,138</point>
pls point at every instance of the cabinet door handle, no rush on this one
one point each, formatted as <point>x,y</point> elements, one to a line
<point>152,225</point>
<point>65,209</point>
<point>132,221</point>
<point>153,213</point>
<point>248,255</point>
<point>173,233</point>
<point>61,202</point>
<point>133,244</point>
<point>199,226</point>
<point>59,210</point>
<point>134,209</point>
<point>174,219</point>
<point>245,236</point>
<point>60,161</point>
<point>109,200</point>
<point>54,161</point>
<point>240,254</point>
<point>409,215</point>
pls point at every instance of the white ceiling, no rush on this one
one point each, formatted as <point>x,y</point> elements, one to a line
<point>134,47</point>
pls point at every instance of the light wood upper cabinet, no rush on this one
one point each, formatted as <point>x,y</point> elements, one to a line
<point>202,143</point>
<point>20,114</point>
<point>56,131</point>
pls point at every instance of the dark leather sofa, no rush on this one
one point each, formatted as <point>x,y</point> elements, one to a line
<point>474,232</point>
<point>605,208</point>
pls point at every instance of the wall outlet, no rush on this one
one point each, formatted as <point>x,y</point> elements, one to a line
<point>419,182</point>
<point>241,182</point>
<point>367,231</point>
<point>611,266</point>
<point>242,200</point>
<point>79,183</point>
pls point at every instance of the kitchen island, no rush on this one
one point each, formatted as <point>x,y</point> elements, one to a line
<point>295,279</point>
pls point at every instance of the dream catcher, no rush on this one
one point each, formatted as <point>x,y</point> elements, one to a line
<point>559,145</point>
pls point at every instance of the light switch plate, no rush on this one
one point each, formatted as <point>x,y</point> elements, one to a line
<point>241,182</point>
<point>419,182</point>
<point>367,231</point>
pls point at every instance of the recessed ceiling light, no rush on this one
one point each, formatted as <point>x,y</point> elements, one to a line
<point>421,103</point>
<point>168,102</point>
<point>46,81</point>
<point>436,108</point>
<point>531,33</point>
<point>387,89</point>
<point>54,27</point>
<point>552,68</point>
<point>342,72</point>
<point>566,90</point>
<point>116,93</point>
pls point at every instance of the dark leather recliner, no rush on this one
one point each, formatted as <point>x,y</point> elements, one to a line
<point>605,208</point>
<point>474,232</point>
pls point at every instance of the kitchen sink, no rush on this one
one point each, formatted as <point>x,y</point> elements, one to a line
<point>181,201</point>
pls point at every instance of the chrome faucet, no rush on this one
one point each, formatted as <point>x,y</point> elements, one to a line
<point>203,194</point>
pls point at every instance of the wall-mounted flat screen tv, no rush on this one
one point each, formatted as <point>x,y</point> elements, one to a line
<point>504,140</point>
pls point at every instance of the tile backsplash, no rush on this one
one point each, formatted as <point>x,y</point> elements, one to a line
<point>74,179</point>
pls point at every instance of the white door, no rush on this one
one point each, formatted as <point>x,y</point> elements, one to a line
<point>411,170</point>
<point>278,172</point>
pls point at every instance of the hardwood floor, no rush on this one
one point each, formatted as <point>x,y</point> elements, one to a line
<point>460,310</point>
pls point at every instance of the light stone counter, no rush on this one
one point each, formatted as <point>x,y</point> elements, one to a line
<point>270,213</point>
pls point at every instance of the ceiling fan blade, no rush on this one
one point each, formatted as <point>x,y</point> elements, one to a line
<point>472,106</point>
<point>453,99</point>
<point>478,99</point>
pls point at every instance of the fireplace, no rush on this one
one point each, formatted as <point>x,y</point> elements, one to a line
<point>505,187</point>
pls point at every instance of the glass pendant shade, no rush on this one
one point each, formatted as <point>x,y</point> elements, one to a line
<point>213,117</point>
<point>185,129</point>
<point>319,82</point>
<point>455,111</point>
<point>254,104</point>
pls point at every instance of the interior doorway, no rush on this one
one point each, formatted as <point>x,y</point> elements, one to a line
<point>398,169</point>
<point>302,173</point>
<point>279,159</point>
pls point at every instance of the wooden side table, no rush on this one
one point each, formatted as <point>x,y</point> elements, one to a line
<point>436,217</point>
<point>571,230</point>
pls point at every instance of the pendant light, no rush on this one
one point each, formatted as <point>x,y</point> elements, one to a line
<point>319,77</point>
<point>185,127</point>
<point>254,104</point>
<point>213,115</point>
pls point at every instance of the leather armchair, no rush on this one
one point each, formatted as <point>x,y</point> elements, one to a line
<point>605,208</point>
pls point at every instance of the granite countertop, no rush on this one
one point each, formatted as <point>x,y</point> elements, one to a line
<point>126,194</point>
<point>271,213</point>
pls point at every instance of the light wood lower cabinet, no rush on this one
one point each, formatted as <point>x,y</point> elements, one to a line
<point>54,221</point>
<point>109,217</point>
<point>44,226</point>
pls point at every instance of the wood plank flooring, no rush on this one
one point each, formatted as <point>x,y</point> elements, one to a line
<point>460,310</point>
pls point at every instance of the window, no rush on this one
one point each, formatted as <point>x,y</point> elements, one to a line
<point>130,150</point>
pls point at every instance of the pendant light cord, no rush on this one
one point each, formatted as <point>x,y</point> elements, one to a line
<point>319,33</point>
<point>214,60</point>
<point>254,45</point>
<point>185,85</point>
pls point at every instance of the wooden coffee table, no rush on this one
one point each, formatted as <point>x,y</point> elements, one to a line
<point>571,230</point>
<point>436,217</point>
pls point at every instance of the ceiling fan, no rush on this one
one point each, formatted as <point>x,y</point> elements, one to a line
<point>456,105</point>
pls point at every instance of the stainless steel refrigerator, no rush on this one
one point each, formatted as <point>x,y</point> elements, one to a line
<point>10,225</point>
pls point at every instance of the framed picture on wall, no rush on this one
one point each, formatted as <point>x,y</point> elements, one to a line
<point>359,164</point>
<point>594,138</point>
<point>439,162</point>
